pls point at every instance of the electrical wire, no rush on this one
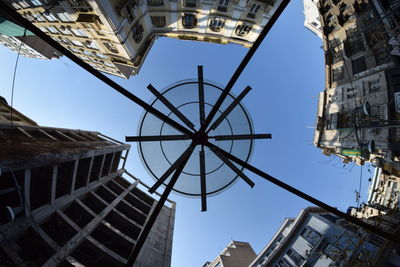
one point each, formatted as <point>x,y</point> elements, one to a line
<point>14,75</point>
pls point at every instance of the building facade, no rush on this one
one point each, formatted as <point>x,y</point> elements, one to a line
<point>66,199</point>
<point>358,111</point>
<point>115,36</point>
<point>236,254</point>
<point>318,238</point>
<point>312,20</point>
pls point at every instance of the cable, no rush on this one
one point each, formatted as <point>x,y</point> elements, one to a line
<point>14,74</point>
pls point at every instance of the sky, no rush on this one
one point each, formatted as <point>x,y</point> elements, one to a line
<point>286,74</point>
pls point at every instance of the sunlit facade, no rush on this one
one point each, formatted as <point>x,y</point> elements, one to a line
<point>116,36</point>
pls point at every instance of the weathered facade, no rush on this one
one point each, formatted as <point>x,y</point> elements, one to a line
<point>67,200</point>
<point>358,111</point>
<point>115,36</point>
<point>318,238</point>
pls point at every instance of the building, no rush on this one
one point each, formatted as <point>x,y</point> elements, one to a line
<point>359,108</point>
<point>236,254</point>
<point>318,238</point>
<point>116,36</point>
<point>28,45</point>
<point>66,199</point>
<point>312,21</point>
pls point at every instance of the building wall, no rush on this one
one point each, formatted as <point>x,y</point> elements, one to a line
<point>115,36</point>
<point>359,70</point>
<point>316,238</point>
<point>312,20</point>
<point>67,200</point>
<point>236,254</point>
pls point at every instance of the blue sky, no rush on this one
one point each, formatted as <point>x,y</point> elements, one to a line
<point>286,75</point>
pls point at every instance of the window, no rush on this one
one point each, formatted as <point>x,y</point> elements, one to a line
<point>110,47</point>
<point>79,32</point>
<point>358,65</point>
<point>36,2</point>
<point>92,45</point>
<point>284,263</point>
<point>53,29</point>
<point>23,4</point>
<point>253,11</point>
<point>338,73</point>
<point>65,17</point>
<point>75,50</point>
<point>129,13</point>
<point>65,30</point>
<point>158,21</point>
<point>311,235</point>
<point>374,86</point>
<point>50,17</point>
<point>189,21</point>
<point>99,55</point>
<point>137,33</point>
<point>295,257</point>
<point>39,18</point>
<point>332,252</point>
<point>223,5</point>
<point>155,2</point>
<point>217,24</point>
<point>243,29</point>
<point>191,3</point>
<point>77,43</point>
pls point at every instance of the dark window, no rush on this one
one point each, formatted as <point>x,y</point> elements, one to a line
<point>223,5</point>
<point>158,21</point>
<point>253,11</point>
<point>359,65</point>
<point>191,3</point>
<point>296,257</point>
<point>243,29</point>
<point>189,21</point>
<point>311,235</point>
<point>216,24</point>
<point>155,2</point>
<point>338,74</point>
<point>137,33</point>
<point>284,263</point>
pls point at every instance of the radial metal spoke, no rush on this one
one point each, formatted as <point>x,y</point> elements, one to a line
<point>240,137</point>
<point>230,108</point>
<point>170,106</point>
<point>203,179</point>
<point>233,167</point>
<point>150,138</point>
<point>245,61</point>
<point>172,168</point>
<point>149,225</point>
<point>201,94</point>
<point>309,198</point>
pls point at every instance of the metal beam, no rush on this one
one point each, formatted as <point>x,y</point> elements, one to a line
<point>5,8</point>
<point>230,108</point>
<point>309,198</point>
<point>241,137</point>
<point>203,179</point>
<point>156,138</point>
<point>233,167</point>
<point>171,107</point>
<point>172,168</point>
<point>149,225</point>
<point>244,62</point>
<point>201,95</point>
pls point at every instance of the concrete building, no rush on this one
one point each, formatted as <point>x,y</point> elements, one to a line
<point>31,46</point>
<point>312,21</point>
<point>236,254</point>
<point>318,238</point>
<point>67,200</point>
<point>116,36</point>
<point>358,110</point>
